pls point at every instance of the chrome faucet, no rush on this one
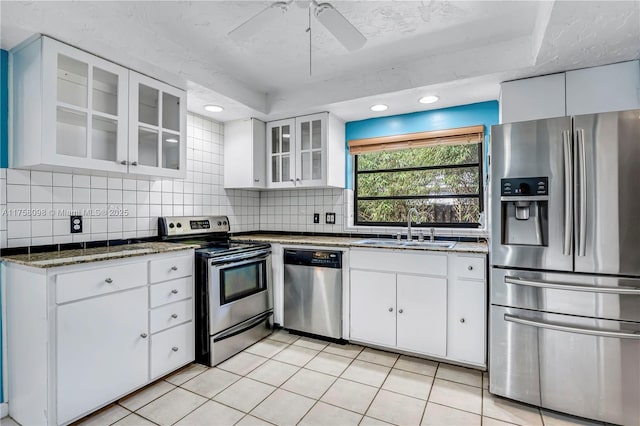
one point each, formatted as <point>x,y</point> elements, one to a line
<point>411,210</point>
<point>433,234</point>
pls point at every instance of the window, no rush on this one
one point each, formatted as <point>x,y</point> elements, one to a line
<point>439,173</point>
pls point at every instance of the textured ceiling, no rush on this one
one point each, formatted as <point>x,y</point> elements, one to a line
<point>460,50</point>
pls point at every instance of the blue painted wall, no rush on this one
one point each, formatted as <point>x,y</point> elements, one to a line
<point>439,119</point>
<point>4,149</point>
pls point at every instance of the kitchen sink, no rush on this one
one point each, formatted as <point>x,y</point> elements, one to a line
<point>404,243</point>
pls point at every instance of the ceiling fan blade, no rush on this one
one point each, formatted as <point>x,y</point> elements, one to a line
<point>340,27</point>
<point>258,22</point>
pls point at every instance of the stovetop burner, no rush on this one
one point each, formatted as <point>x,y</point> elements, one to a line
<point>211,233</point>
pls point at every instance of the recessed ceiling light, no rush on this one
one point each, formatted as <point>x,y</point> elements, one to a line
<point>428,99</point>
<point>213,108</point>
<point>172,140</point>
<point>379,107</point>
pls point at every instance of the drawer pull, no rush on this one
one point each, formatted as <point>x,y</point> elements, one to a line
<point>174,291</point>
<point>174,268</point>
<point>390,309</point>
<point>108,280</point>
<point>462,320</point>
<point>174,316</point>
<point>470,268</point>
<point>143,335</point>
<point>175,349</point>
<point>400,311</point>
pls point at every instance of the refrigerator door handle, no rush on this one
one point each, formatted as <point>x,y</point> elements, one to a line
<point>571,287</point>
<point>559,327</point>
<point>568,192</point>
<point>582,164</point>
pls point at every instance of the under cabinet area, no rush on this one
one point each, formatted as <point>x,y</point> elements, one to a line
<point>97,331</point>
<point>428,303</point>
<point>71,109</point>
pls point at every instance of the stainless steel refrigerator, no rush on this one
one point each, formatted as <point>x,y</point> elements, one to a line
<point>565,264</point>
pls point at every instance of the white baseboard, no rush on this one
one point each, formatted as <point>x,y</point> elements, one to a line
<point>4,409</point>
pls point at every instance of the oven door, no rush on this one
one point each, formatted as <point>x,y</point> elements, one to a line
<point>239,289</point>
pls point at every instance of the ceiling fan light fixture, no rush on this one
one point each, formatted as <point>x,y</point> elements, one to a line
<point>339,26</point>
<point>213,108</point>
<point>428,99</point>
<point>379,107</point>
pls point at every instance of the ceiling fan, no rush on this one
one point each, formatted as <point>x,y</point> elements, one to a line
<point>325,13</point>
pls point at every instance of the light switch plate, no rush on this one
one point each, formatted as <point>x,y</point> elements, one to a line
<point>316,218</point>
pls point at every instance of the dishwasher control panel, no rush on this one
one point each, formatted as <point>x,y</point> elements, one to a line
<point>318,258</point>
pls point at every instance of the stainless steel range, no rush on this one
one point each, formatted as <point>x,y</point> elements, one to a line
<point>234,300</point>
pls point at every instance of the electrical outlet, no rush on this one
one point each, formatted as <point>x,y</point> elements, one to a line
<point>316,218</point>
<point>76,224</point>
<point>330,218</point>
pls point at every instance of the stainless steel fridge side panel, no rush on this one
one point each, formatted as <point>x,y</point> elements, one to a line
<point>587,367</point>
<point>608,297</point>
<point>532,149</point>
<point>607,188</point>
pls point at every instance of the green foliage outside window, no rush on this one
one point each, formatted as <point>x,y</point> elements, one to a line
<point>442,182</point>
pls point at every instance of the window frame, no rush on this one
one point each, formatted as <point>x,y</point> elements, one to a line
<point>467,225</point>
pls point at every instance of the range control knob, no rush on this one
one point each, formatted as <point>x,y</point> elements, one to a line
<point>224,223</point>
<point>219,223</point>
<point>171,225</point>
<point>179,225</point>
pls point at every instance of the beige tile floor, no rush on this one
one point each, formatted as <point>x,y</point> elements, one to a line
<point>287,380</point>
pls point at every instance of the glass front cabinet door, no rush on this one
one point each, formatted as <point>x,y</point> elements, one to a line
<point>84,109</point>
<point>157,128</point>
<point>311,150</point>
<point>281,164</point>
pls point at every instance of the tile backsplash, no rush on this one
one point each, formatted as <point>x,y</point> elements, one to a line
<point>35,205</point>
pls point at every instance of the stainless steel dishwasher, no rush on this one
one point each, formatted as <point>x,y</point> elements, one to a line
<point>313,292</point>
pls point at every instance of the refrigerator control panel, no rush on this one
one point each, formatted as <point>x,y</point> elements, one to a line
<point>524,186</point>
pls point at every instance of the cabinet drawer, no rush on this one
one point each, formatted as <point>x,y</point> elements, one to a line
<point>468,267</point>
<point>171,291</point>
<point>92,282</point>
<point>170,315</point>
<point>172,349</point>
<point>171,268</point>
<point>406,261</point>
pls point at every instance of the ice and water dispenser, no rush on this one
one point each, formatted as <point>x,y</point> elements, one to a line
<point>525,208</point>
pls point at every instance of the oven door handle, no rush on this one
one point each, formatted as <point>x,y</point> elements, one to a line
<point>567,329</point>
<point>571,287</point>
<point>220,263</point>
<point>243,326</point>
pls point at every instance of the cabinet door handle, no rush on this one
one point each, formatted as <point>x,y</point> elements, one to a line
<point>174,291</point>
<point>174,316</point>
<point>400,311</point>
<point>143,335</point>
<point>174,268</point>
<point>462,320</point>
<point>390,309</point>
<point>134,163</point>
<point>256,180</point>
<point>298,179</point>
<point>123,162</point>
<point>470,268</point>
<point>175,349</point>
<point>108,280</point>
<point>291,180</point>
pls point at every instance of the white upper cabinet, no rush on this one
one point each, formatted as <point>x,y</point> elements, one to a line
<point>244,143</point>
<point>71,109</point>
<point>614,87</point>
<point>305,152</point>
<point>532,98</point>
<point>157,122</point>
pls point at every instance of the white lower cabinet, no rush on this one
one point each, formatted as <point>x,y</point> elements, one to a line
<point>373,307</point>
<point>99,342</point>
<point>428,303</point>
<point>100,355</point>
<point>422,314</point>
